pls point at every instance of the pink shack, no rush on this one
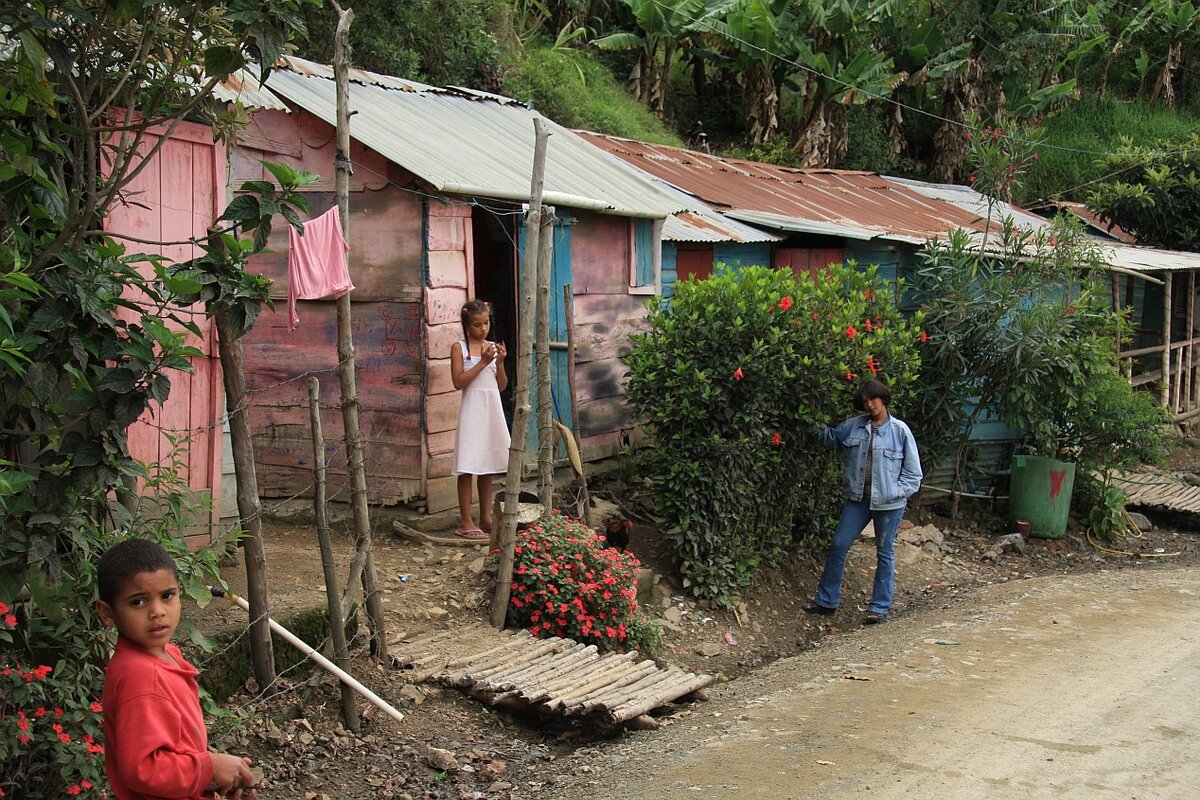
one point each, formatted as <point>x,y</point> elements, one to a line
<point>439,176</point>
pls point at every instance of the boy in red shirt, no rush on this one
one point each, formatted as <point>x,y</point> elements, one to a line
<point>156,745</point>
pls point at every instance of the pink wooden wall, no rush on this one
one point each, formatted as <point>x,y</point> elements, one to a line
<point>386,266</point>
<point>174,198</point>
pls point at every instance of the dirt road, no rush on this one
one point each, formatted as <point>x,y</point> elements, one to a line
<point>1084,686</point>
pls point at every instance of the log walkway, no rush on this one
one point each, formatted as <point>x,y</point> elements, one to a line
<point>553,676</point>
<point>1159,490</point>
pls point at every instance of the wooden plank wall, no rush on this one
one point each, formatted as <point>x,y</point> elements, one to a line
<point>605,316</point>
<point>451,279</point>
<point>173,199</point>
<point>386,265</point>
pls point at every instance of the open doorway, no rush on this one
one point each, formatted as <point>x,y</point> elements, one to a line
<point>495,275</point>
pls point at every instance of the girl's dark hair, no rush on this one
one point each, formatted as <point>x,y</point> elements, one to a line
<point>128,558</point>
<point>470,309</point>
<point>872,389</point>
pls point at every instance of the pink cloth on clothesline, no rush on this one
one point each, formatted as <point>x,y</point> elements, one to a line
<point>317,264</point>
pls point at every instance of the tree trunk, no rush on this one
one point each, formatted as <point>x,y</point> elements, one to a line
<point>762,102</point>
<point>825,138</point>
<point>516,451</point>
<point>337,620</point>
<point>345,348</point>
<point>249,510</point>
<point>962,99</point>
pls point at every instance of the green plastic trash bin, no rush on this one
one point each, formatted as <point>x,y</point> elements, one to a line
<point>1040,492</point>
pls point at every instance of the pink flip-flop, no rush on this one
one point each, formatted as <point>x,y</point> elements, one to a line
<point>474,534</point>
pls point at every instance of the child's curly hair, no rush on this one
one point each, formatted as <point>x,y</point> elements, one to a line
<point>470,309</point>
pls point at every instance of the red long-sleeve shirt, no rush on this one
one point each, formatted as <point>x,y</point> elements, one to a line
<point>156,745</point>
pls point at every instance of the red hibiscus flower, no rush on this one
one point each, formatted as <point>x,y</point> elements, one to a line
<point>869,326</point>
<point>737,374</point>
<point>777,440</point>
<point>924,337</point>
<point>851,332</point>
<point>785,303</point>
<point>871,365</point>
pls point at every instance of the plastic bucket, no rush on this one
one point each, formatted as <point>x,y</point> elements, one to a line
<point>1040,492</point>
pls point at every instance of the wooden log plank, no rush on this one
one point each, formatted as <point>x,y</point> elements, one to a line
<point>659,688</point>
<point>477,672</point>
<point>512,643</point>
<point>632,710</point>
<point>613,669</point>
<point>639,671</point>
<point>569,669</point>
<point>500,681</point>
<point>566,663</point>
<point>577,678</point>
<point>522,666</point>
<point>615,695</point>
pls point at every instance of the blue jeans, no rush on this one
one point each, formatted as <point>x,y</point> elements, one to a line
<point>855,515</point>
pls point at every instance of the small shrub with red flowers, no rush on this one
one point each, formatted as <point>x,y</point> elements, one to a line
<point>731,379</point>
<point>567,583</point>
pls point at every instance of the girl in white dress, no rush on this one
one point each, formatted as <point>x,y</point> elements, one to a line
<point>481,442</point>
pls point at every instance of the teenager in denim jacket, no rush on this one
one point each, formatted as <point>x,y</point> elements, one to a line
<point>881,469</point>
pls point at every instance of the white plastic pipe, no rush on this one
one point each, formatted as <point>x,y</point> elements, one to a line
<point>307,650</point>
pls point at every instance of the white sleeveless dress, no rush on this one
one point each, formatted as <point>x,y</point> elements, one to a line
<point>481,441</point>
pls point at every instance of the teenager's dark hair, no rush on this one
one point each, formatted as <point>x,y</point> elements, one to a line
<point>470,309</point>
<point>872,389</point>
<point>128,558</point>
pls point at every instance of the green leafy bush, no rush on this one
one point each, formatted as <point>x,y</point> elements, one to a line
<point>49,631</point>
<point>567,583</point>
<point>731,379</point>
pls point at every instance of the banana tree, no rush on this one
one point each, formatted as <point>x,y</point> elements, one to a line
<point>659,28</point>
<point>1178,23</point>
<point>821,53</point>
<point>756,41</point>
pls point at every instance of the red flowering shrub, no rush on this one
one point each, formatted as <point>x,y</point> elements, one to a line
<point>49,735</point>
<point>567,583</point>
<point>731,378</point>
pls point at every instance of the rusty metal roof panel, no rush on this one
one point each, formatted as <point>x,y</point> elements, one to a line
<point>700,223</point>
<point>470,143</point>
<point>844,200</point>
<point>243,87</point>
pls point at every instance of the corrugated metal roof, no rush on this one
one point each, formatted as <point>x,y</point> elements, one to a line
<point>974,203</point>
<point>471,143</point>
<point>1125,255</point>
<point>1084,213</point>
<point>862,205</point>
<point>1149,259</point>
<point>701,224</point>
<point>243,87</point>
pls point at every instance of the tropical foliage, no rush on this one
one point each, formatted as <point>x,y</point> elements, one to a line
<point>89,328</point>
<point>1154,192</point>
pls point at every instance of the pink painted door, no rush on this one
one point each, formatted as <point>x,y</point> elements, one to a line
<point>173,199</point>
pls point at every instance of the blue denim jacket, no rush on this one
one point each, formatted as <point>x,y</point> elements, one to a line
<point>895,468</point>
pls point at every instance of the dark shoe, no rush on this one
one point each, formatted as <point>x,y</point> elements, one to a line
<point>874,618</point>
<point>814,608</point>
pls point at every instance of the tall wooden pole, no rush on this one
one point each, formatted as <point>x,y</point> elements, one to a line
<point>516,452</point>
<point>229,346</point>
<point>569,314</point>
<point>345,348</point>
<point>1164,397</point>
<point>545,393</point>
<point>337,620</point>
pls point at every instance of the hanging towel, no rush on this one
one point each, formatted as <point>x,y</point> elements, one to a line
<point>317,262</point>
